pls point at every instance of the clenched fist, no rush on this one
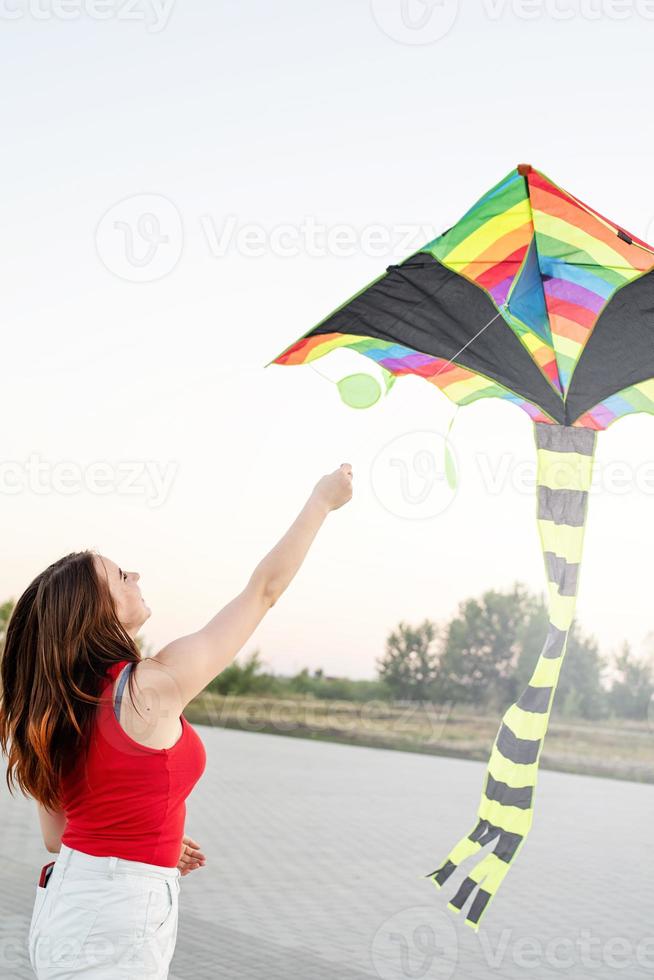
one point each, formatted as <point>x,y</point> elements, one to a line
<point>335,489</point>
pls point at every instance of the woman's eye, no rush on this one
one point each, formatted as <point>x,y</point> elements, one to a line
<point>124,576</point>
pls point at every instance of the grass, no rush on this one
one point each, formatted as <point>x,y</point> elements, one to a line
<point>615,749</point>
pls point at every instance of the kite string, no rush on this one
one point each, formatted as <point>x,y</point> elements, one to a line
<point>324,376</point>
<point>478,334</point>
<point>446,364</point>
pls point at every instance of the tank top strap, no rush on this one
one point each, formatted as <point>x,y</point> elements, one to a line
<point>124,677</point>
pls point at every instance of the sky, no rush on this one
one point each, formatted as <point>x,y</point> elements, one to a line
<point>189,186</point>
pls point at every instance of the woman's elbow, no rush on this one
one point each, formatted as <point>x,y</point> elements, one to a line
<point>271,595</point>
<point>267,590</point>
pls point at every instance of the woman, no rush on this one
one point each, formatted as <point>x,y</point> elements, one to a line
<point>96,735</point>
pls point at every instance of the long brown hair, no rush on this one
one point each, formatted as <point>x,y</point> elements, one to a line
<point>62,636</point>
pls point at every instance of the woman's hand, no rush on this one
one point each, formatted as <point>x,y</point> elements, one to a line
<point>335,489</point>
<point>191,857</point>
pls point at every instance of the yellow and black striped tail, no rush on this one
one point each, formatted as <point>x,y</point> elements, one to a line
<point>565,466</point>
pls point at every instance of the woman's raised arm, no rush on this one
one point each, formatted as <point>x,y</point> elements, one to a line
<point>193,661</point>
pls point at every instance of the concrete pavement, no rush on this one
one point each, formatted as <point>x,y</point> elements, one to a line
<point>315,856</point>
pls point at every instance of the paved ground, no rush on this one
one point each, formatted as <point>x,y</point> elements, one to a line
<point>315,856</point>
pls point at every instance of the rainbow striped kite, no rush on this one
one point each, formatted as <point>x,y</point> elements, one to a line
<point>536,298</point>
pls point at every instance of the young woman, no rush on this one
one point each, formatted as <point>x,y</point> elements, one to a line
<point>96,735</point>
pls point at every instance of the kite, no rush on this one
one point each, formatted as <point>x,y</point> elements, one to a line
<point>536,298</point>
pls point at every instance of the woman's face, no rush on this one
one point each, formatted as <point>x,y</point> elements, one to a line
<point>126,593</point>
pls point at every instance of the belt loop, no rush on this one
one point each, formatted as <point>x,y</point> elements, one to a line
<point>113,861</point>
<point>64,856</point>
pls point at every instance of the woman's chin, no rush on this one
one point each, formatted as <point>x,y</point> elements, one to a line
<point>144,614</point>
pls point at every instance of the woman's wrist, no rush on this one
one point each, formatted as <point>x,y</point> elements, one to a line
<point>319,501</point>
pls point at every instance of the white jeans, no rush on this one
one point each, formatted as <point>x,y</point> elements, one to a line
<point>104,918</point>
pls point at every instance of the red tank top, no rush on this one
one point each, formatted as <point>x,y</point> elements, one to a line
<point>125,799</point>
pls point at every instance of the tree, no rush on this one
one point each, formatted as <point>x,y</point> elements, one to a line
<point>241,677</point>
<point>483,647</point>
<point>302,683</point>
<point>633,688</point>
<point>410,665</point>
<point>580,692</point>
<point>6,610</point>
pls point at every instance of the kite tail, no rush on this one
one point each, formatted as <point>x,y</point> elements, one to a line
<point>565,467</point>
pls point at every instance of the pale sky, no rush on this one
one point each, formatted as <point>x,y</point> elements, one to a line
<point>288,153</point>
